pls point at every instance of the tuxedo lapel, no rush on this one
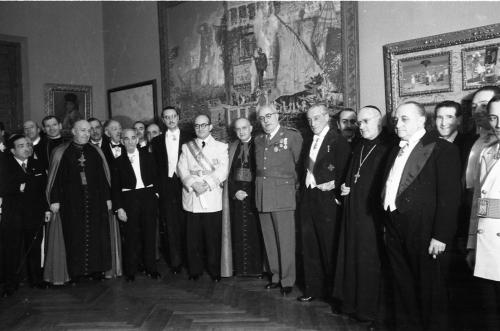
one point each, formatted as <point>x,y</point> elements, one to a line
<point>416,161</point>
<point>326,146</point>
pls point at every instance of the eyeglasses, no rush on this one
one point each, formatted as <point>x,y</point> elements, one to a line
<point>266,117</point>
<point>201,126</point>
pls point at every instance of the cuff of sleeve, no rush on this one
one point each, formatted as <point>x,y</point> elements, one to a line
<point>471,241</point>
<point>189,181</point>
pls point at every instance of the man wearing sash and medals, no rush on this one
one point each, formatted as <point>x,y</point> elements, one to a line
<point>421,196</point>
<point>484,231</point>
<point>326,163</point>
<point>245,227</point>
<point>202,168</point>
<point>277,154</point>
<point>79,190</point>
<point>358,276</point>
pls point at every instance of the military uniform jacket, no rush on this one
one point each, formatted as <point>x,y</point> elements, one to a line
<point>190,171</point>
<point>484,232</point>
<point>276,174</point>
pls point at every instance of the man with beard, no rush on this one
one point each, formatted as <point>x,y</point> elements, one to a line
<point>359,278</point>
<point>328,154</point>
<point>96,136</point>
<point>24,211</point>
<point>346,123</point>
<point>421,198</point>
<point>246,235</point>
<point>79,189</point>
<point>113,149</point>
<point>166,150</point>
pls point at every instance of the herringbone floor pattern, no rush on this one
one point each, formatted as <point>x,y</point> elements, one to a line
<point>174,303</point>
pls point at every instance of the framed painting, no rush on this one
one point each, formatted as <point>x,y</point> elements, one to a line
<point>135,102</point>
<point>68,103</point>
<point>479,66</point>
<point>443,67</point>
<point>424,74</point>
<point>219,57</point>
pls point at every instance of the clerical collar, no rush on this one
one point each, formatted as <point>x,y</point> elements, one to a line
<point>452,137</point>
<point>36,141</point>
<point>77,145</point>
<point>273,133</point>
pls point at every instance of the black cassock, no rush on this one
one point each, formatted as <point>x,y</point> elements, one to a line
<point>81,188</point>
<point>358,279</point>
<point>245,227</point>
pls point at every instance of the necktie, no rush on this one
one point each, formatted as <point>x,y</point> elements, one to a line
<point>403,145</point>
<point>316,141</point>
<point>25,166</point>
<point>202,144</point>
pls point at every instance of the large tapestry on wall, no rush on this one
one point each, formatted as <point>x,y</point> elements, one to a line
<point>227,57</point>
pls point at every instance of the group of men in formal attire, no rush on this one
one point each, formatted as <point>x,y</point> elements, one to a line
<point>371,211</point>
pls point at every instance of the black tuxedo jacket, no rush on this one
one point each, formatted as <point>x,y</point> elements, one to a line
<point>123,175</point>
<point>169,190</point>
<point>28,206</point>
<point>332,160</point>
<point>108,153</point>
<point>429,191</point>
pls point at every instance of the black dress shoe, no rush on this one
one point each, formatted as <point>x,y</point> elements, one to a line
<point>129,278</point>
<point>215,279</point>
<point>154,275</point>
<point>176,270</point>
<point>305,298</point>
<point>194,277</point>
<point>285,290</point>
<point>272,285</point>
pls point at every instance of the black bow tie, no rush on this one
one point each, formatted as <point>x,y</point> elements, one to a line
<point>115,145</point>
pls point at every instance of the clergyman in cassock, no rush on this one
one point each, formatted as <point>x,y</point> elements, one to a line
<point>484,231</point>
<point>328,154</point>
<point>359,274</point>
<point>421,198</point>
<point>79,189</point>
<point>246,235</point>
<point>24,211</point>
<point>202,168</point>
<point>136,202</point>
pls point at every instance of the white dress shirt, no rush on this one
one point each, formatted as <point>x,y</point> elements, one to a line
<point>392,184</point>
<point>313,154</point>
<point>273,133</point>
<point>136,165</point>
<point>172,144</point>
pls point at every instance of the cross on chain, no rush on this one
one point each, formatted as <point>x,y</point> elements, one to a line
<point>82,160</point>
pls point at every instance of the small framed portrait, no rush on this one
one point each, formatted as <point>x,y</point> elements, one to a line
<point>425,74</point>
<point>69,103</point>
<point>134,102</point>
<point>480,66</point>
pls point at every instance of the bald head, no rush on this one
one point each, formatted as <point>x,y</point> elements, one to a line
<point>81,132</point>
<point>243,129</point>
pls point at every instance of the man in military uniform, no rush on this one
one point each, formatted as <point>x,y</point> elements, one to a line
<point>277,154</point>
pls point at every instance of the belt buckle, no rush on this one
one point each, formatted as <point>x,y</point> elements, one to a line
<point>483,207</point>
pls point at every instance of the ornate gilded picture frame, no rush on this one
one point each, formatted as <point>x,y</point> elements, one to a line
<point>68,102</point>
<point>460,45</point>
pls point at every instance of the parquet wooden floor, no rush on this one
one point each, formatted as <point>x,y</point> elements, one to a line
<point>174,303</point>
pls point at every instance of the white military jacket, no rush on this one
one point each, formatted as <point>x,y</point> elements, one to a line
<point>484,232</point>
<point>190,171</point>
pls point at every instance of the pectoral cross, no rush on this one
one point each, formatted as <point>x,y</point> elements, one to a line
<point>356,176</point>
<point>82,160</point>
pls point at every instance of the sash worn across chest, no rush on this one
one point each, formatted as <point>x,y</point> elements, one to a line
<point>201,159</point>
